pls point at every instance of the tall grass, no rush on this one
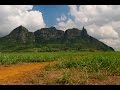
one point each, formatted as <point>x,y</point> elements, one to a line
<point>12,58</point>
<point>96,61</point>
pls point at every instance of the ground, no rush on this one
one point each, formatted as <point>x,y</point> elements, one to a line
<point>20,73</point>
<point>39,73</point>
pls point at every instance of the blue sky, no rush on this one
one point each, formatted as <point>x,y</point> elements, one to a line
<point>52,12</point>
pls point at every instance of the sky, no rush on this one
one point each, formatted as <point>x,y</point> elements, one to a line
<point>101,21</point>
<point>51,12</point>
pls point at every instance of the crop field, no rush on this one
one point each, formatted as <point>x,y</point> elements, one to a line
<point>70,67</point>
<point>13,58</point>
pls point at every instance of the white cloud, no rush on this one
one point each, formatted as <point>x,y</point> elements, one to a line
<point>98,14</point>
<point>62,18</point>
<point>12,16</point>
<point>64,25</point>
<point>101,22</point>
<point>103,32</point>
<point>113,43</point>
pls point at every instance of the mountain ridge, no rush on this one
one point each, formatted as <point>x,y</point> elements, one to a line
<point>51,39</point>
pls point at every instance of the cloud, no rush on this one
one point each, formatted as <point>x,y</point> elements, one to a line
<point>101,22</point>
<point>112,42</point>
<point>62,18</point>
<point>12,16</point>
<point>64,25</point>
<point>103,32</point>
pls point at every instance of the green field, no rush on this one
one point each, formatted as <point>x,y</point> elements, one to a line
<point>71,67</point>
<point>13,58</point>
<point>92,61</point>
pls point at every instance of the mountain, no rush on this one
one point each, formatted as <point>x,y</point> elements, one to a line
<point>51,39</point>
<point>48,35</point>
<point>20,35</point>
<point>19,38</point>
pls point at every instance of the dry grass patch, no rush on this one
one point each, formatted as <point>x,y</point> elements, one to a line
<point>75,76</point>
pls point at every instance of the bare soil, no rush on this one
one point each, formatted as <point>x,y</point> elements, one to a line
<point>20,73</point>
<point>35,73</point>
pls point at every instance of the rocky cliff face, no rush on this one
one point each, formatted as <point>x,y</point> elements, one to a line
<point>46,34</point>
<point>75,33</point>
<point>72,33</point>
<point>71,39</point>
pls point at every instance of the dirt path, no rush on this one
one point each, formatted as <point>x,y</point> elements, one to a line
<point>20,73</point>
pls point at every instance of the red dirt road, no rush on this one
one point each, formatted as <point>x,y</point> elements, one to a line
<point>20,73</point>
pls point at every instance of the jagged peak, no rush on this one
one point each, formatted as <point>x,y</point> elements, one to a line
<point>84,30</point>
<point>21,28</point>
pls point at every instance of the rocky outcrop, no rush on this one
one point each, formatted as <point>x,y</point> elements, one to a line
<point>84,32</point>
<point>72,33</point>
<point>48,34</point>
<point>75,33</point>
